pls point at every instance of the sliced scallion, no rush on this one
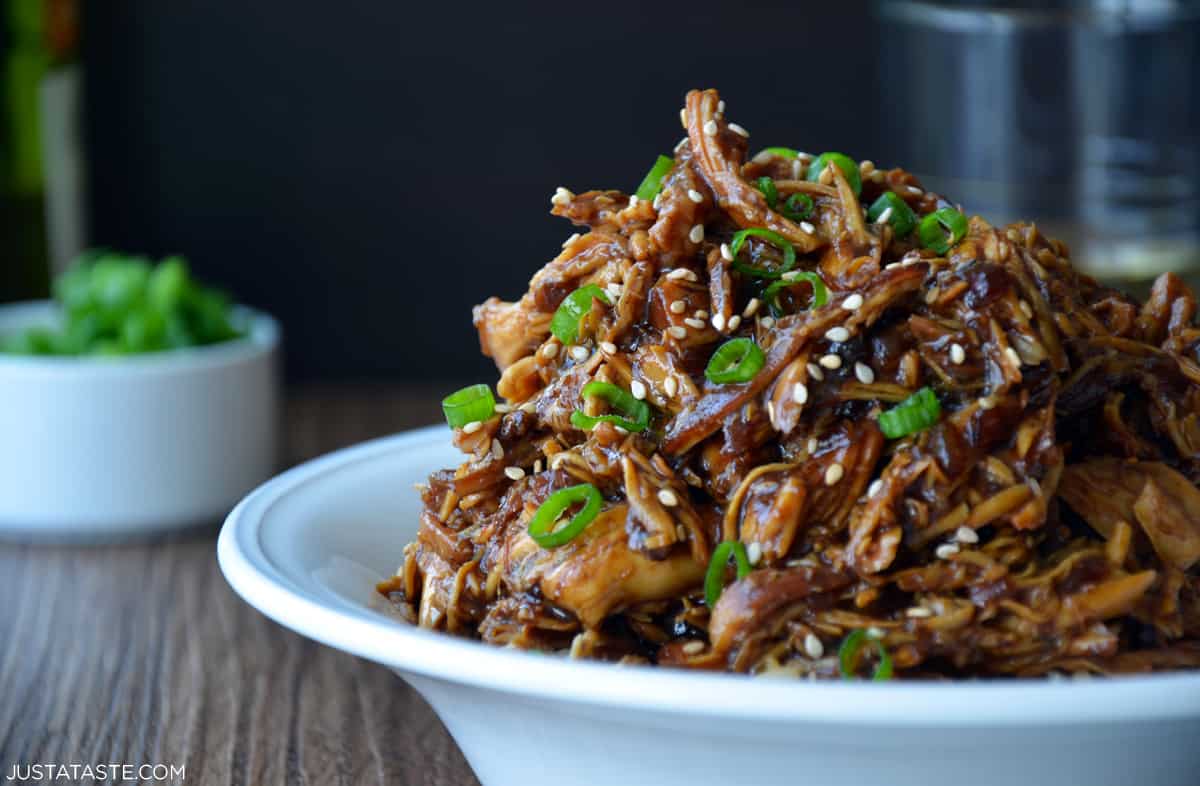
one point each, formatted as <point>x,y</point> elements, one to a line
<point>820,295</point>
<point>775,239</point>
<point>653,181</point>
<point>634,415</point>
<point>737,360</point>
<point>565,323</point>
<point>783,152</point>
<point>915,413</point>
<point>850,653</point>
<point>798,207</point>
<point>902,218</point>
<point>842,162</point>
<point>541,526</point>
<point>714,577</point>
<point>767,186</point>
<point>469,405</point>
<point>942,229</point>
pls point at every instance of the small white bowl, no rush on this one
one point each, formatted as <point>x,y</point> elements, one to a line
<point>100,448</point>
<point>307,548</point>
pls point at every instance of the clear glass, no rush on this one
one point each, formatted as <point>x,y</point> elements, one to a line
<point>1083,116</point>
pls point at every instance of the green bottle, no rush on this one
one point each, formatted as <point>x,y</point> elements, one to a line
<point>41,165</point>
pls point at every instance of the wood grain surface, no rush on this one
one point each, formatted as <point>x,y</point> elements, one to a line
<point>140,653</point>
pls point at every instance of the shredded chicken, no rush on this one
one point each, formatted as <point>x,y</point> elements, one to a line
<point>1045,520</point>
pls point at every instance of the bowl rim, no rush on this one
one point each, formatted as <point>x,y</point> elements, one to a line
<point>263,337</point>
<point>352,627</point>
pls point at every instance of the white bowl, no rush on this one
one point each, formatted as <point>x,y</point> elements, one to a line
<point>96,448</point>
<point>307,548</point>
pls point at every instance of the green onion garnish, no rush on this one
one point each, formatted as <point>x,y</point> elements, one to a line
<point>942,229</point>
<point>565,324</point>
<point>842,162</point>
<point>469,405</point>
<point>634,415</point>
<point>767,186</point>
<point>737,360</point>
<point>541,526</point>
<point>915,413</point>
<point>902,218</point>
<point>785,152</point>
<point>851,651</point>
<point>798,207</point>
<point>714,578</point>
<point>777,240</point>
<point>653,181</point>
<point>820,295</point>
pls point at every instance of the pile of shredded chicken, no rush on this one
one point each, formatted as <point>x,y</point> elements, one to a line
<point>1048,523</point>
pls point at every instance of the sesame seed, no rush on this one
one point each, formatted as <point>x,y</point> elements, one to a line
<point>718,321</point>
<point>695,196</point>
<point>1012,356</point>
<point>472,427</point>
<point>918,612</point>
<point>762,156</point>
<point>876,176</point>
<point>668,498</point>
<point>853,303</point>
<point>697,233</point>
<point>579,353</point>
<point>561,196</point>
<point>800,393</point>
<point>614,289</point>
<point>965,534</point>
<point>734,321</point>
<point>608,348</point>
<point>710,128</point>
<point>693,647</point>
<point>811,445</point>
<point>678,273</point>
<point>1026,309</point>
<point>657,201</point>
<point>698,324</point>
<point>946,550</point>
<point>681,532</point>
<point>726,254</point>
<point>837,334</point>
<point>514,473</point>
<point>986,402</point>
<point>815,372</point>
<point>931,296</point>
<point>721,107</point>
<point>675,331</point>
<point>670,386</point>
<point>791,275</point>
<point>771,414</point>
<point>957,354</point>
<point>834,474</point>
<point>884,216</point>
<point>537,466</point>
<point>813,646</point>
<point>914,190</point>
<point>751,308</point>
<point>875,487</point>
<point>550,350</point>
<point>767,322</point>
<point>754,553</point>
<point>807,227</point>
<point>875,633</point>
<point>503,408</point>
<point>678,307</point>
<point>700,314</point>
<point>497,449</point>
<point>633,201</point>
<point>866,166</point>
<point>864,373</point>
<point>571,239</point>
<point>683,116</point>
<point>638,389</point>
<point>735,128</point>
<point>830,361</point>
<point>621,430</point>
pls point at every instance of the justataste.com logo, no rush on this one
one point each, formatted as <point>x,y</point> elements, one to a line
<point>97,773</point>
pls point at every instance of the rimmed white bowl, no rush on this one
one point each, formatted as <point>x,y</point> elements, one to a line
<point>101,448</point>
<point>307,548</point>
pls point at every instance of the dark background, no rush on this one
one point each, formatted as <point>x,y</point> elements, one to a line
<point>368,171</point>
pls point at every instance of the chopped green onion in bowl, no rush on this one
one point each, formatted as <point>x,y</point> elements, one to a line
<point>774,238</point>
<point>471,404</point>
<point>895,211</point>
<point>113,304</point>
<point>842,162</point>
<point>633,415</point>
<point>565,322</point>
<point>652,183</point>
<point>915,413</point>
<point>546,518</point>
<point>942,229</point>
<point>737,360</point>
<point>851,651</point>
<point>714,577</point>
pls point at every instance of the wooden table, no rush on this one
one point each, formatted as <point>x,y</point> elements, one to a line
<point>141,653</point>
